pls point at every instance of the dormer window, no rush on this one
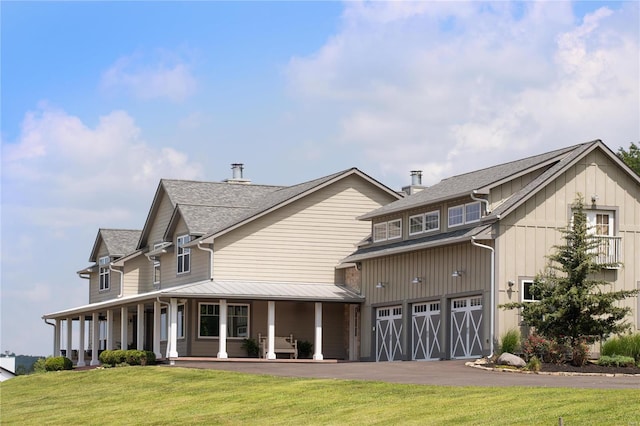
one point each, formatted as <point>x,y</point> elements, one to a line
<point>104,273</point>
<point>464,213</point>
<point>425,222</point>
<point>387,230</point>
<point>183,254</point>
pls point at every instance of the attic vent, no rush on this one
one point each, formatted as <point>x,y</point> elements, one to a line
<point>237,174</point>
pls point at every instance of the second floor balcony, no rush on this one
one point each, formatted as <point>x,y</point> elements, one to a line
<point>607,251</point>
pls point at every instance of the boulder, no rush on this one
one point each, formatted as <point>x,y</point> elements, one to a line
<point>510,359</point>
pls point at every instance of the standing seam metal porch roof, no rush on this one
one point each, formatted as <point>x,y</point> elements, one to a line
<point>244,290</point>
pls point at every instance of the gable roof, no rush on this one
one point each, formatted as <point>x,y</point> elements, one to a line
<point>210,209</point>
<point>119,242</point>
<point>479,181</point>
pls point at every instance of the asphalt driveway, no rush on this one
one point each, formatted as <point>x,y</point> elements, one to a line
<point>449,373</point>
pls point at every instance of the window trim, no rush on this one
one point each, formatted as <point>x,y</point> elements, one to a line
<point>228,311</point>
<point>424,216</point>
<point>523,282</point>
<point>104,274</point>
<point>395,237</point>
<point>183,253</point>
<point>464,214</point>
<point>387,228</point>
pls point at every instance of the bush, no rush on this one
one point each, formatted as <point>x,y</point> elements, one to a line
<point>627,345</point>
<point>580,353</point>
<point>510,342</point>
<point>534,364</point>
<point>616,361</point>
<point>535,345</point>
<point>305,349</point>
<point>251,346</point>
<point>38,366</point>
<point>118,358</point>
<point>58,363</point>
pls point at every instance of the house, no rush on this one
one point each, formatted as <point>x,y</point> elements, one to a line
<point>440,261</point>
<point>220,262</point>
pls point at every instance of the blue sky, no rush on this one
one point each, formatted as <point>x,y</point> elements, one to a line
<point>102,99</point>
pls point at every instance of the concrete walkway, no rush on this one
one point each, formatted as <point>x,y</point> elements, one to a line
<point>447,373</point>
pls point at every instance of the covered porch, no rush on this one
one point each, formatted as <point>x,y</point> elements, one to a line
<point>213,319</point>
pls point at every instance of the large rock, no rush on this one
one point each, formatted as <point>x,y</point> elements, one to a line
<point>510,359</point>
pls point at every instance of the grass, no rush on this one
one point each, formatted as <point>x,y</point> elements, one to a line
<point>161,395</point>
<point>626,345</point>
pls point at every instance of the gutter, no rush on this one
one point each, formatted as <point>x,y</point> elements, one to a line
<point>54,334</point>
<point>493,291</point>
<point>487,208</point>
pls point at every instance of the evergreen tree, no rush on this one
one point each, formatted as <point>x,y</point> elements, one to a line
<point>631,157</point>
<point>573,307</point>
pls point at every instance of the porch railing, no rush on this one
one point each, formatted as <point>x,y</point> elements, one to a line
<point>607,250</point>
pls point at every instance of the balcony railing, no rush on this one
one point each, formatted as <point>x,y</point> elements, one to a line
<point>607,250</point>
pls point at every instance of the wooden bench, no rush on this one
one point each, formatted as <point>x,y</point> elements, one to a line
<point>281,345</point>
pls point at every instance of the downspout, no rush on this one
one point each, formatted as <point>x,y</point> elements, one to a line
<point>482,200</point>
<point>210,258</point>
<point>493,292</point>
<point>121,279</point>
<point>54,334</point>
<point>168,316</point>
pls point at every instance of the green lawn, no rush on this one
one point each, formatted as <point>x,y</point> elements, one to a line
<point>160,395</point>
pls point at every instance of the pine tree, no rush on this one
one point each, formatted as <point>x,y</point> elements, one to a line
<point>572,307</point>
<point>631,157</point>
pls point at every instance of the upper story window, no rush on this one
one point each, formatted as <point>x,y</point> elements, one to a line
<point>425,222</point>
<point>387,230</point>
<point>183,254</point>
<point>156,266</point>
<point>464,213</point>
<point>607,246</point>
<point>104,272</point>
<point>527,295</point>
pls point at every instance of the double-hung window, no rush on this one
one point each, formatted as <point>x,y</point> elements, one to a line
<point>104,273</point>
<point>156,267</point>
<point>464,213</point>
<point>183,254</point>
<point>237,320</point>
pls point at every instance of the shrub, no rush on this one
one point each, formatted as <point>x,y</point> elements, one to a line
<point>580,353</point>
<point>251,346</point>
<point>535,345</point>
<point>38,366</point>
<point>510,342</point>
<point>118,358</point>
<point>616,361</point>
<point>627,345</point>
<point>534,364</point>
<point>305,348</point>
<point>557,353</point>
<point>58,363</point>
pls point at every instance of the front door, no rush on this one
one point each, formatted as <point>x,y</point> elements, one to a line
<point>426,330</point>
<point>466,327</point>
<point>388,333</point>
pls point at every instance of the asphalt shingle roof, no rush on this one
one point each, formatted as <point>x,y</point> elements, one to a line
<point>120,242</point>
<point>464,184</point>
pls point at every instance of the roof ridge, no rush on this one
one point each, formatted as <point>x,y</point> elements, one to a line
<point>557,152</point>
<point>119,229</point>
<point>213,205</point>
<point>218,183</point>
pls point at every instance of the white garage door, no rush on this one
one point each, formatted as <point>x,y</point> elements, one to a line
<point>466,327</point>
<point>426,330</point>
<point>388,333</point>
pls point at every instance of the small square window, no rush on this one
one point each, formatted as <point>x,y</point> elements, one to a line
<point>527,295</point>
<point>456,216</point>
<point>432,221</point>
<point>380,231</point>
<point>416,224</point>
<point>395,229</point>
<point>472,212</point>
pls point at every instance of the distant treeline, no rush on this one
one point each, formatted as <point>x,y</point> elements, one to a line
<point>24,363</point>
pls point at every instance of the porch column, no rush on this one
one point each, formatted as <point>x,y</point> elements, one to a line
<point>222,341</point>
<point>173,330</point>
<point>56,338</point>
<point>95,338</point>
<point>109,327</point>
<point>124,328</point>
<point>317,345</point>
<point>81,362</point>
<point>271,329</point>
<point>140,327</point>
<point>69,336</point>
<point>156,329</point>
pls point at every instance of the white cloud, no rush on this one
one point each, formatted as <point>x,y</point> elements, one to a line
<point>61,173</point>
<point>164,75</point>
<point>452,86</point>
